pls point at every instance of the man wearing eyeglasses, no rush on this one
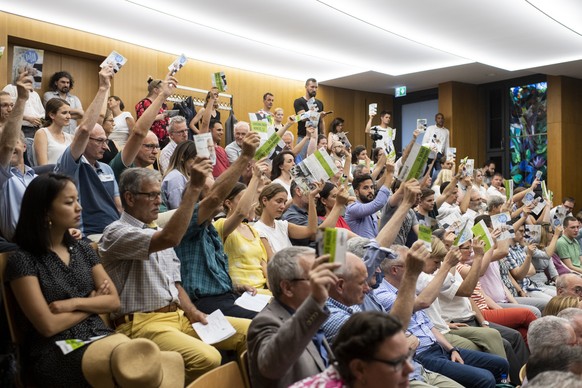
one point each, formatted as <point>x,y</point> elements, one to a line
<point>6,106</point>
<point>142,147</point>
<point>569,285</point>
<point>98,190</point>
<point>178,132</point>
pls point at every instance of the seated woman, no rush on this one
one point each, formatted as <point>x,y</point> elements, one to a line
<point>51,141</point>
<point>326,202</point>
<point>370,350</point>
<point>178,174</point>
<point>247,257</point>
<point>58,282</point>
<point>274,232</point>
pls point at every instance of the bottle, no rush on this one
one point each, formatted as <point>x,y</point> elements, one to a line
<point>504,379</point>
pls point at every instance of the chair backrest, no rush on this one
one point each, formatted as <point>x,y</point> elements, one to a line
<point>227,375</point>
<point>14,314</point>
<point>244,366</point>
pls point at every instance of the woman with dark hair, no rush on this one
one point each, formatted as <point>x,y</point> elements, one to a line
<point>214,115</point>
<point>108,127</point>
<point>370,350</point>
<point>177,174</point>
<point>51,141</point>
<point>283,163</point>
<point>58,282</point>
<point>123,121</point>
<point>377,153</point>
<point>321,142</point>
<point>160,125</point>
<point>336,133</point>
<point>274,232</point>
<point>247,257</point>
<point>326,202</point>
<point>360,155</point>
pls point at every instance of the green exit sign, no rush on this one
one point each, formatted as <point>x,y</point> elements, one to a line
<point>400,91</point>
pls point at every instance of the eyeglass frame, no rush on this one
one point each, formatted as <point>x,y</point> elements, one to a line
<point>100,142</point>
<point>397,364</point>
<point>152,196</point>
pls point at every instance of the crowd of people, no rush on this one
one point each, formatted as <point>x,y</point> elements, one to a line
<point>424,297</point>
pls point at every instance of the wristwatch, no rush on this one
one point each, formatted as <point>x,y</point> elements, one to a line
<point>485,323</point>
<point>454,349</point>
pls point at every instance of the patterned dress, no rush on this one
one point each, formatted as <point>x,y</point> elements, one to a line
<point>59,281</point>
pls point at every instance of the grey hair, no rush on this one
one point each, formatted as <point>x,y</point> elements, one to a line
<point>494,201</point>
<point>387,264</point>
<point>562,281</point>
<point>175,120</point>
<point>554,358</point>
<point>240,124</point>
<point>554,379</point>
<point>284,265</point>
<point>132,179</point>
<point>357,246</point>
<point>547,331</point>
<point>290,134</point>
<point>570,313</point>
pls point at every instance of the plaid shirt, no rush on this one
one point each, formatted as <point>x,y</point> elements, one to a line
<point>204,264</point>
<point>339,314</point>
<point>145,282</point>
<point>515,259</point>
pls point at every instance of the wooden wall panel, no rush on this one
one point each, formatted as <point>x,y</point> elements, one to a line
<point>463,113</point>
<point>564,137</point>
<point>81,53</point>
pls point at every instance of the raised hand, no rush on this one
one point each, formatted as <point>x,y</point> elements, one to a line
<point>200,169</point>
<point>250,144</point>
<point>321,278</point>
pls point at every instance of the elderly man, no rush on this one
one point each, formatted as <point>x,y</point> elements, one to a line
<point>178,132</point>
<point>6,106</point>
<point>285,341</point>
<point>569,284</point>
<point>234,149</point>
<point>142,147</point>
<point>98,190</point>
<point>145,269</point>
<point>549,331</point>
<point>14,174</point>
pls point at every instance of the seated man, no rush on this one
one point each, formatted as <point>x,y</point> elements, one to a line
<point>567,246</point>
<point>550,331</point>
<point>178,133</point>
<point>569,284</point>
<point>204,265</point>
<point>98,190</point>
<point>145,269</point>
<point>285,341</point>
<point>362,215</point>
<point>467,367</point>
<point>234,149</point>
<point>14,174</point>
<point>142,147</point>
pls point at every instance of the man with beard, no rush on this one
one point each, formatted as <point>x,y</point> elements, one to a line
<point>61,84</point>
<point>362,215</point>
<point>301,105</point>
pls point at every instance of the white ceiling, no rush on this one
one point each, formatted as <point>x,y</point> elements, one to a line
<point>367,45</point>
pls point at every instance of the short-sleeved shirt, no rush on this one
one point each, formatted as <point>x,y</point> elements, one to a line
<point>515,259</point>
<point>97,189</point>
<point>74,103</point>
<point>568,248</point>
<point>59,281</point>
<point>13,184</point>
<point>173,187</point>
<point>145,282</point>
<point>118,167</point>
<point>166,154</point>
<point>298,216</point>
<point>233,151</point>
<point>301,104</point>
<point>204,266</point>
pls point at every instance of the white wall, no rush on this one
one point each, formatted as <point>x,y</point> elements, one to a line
<point>411,112</point>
